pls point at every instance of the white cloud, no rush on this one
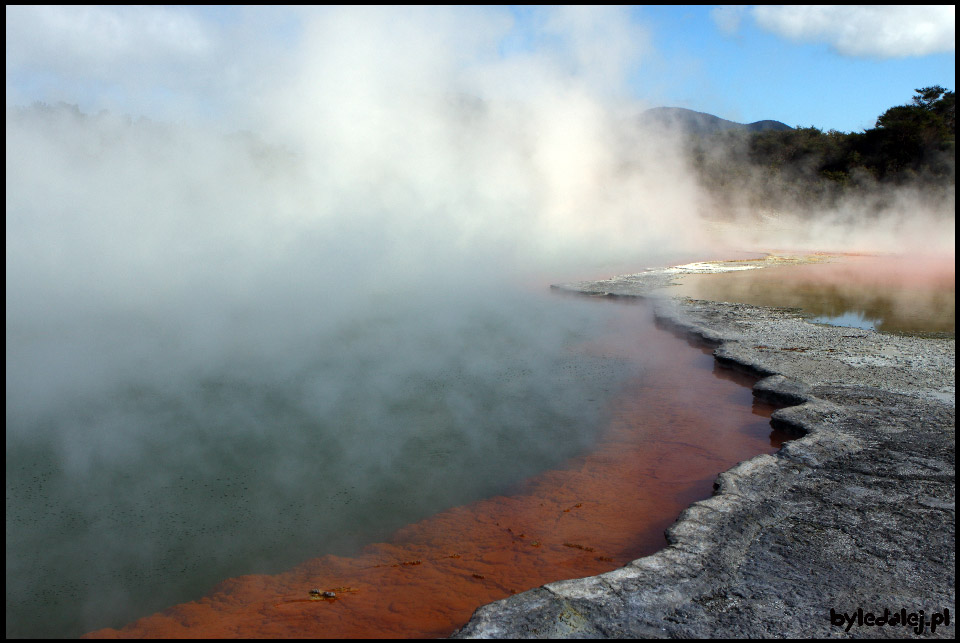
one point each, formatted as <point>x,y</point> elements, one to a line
<point>874,31</point>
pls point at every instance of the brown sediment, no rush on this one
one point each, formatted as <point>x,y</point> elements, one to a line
<point>899,293</point>
<point>667,440</point>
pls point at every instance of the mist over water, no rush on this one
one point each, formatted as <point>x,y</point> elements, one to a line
<point>152,490</point>
<point>229,351</point>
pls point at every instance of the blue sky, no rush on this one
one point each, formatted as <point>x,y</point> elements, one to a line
<point>831,67</point>
<point>756,73</point>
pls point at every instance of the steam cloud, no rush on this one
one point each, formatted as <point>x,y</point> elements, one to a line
<point>384,158</point>
<point>238,340</point>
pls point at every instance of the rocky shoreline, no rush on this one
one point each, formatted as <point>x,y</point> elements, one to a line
<point>857,514</point>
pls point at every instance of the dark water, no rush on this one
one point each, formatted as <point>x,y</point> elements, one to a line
<point>149,488</point>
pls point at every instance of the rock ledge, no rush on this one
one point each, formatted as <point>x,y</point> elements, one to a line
<point>858,513</point>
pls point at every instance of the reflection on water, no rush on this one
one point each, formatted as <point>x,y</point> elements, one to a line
<point>892,293</point>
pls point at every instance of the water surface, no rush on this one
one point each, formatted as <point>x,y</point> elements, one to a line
<point>673,426</point>
<point>898,294</point>
<point>161,470</point>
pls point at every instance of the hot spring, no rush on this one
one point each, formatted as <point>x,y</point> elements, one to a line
<point>146,492</point>
<point>225,356</point>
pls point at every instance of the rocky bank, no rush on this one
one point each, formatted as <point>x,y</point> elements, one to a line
<point>857,514</point>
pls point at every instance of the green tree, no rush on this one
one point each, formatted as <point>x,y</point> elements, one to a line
<point>916,137</point>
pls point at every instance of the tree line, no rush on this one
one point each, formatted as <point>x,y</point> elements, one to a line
<point>911,145</point>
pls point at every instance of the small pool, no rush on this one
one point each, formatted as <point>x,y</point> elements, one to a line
<point>850,319</point>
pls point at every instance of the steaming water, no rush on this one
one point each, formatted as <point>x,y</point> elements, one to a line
<point>225,357</point>
<point>127,500</point>
<point>669,432</point>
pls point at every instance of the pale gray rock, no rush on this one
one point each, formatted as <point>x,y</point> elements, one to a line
<point>859,512</point>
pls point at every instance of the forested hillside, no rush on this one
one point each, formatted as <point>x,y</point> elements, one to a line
<point>912,145</point>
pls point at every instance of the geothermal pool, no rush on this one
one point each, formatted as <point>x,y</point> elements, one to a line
<point>147,460</point>
<point>670,422</point>
<point>431,455</point>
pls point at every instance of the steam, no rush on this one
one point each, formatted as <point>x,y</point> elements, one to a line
<point>387,157</point>
<point>907,220</point>
<point>794,208</point>
<point>393,151</point>
<point>287,314</point>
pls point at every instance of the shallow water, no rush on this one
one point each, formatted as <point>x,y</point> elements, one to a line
<point>897,294</point>
<point>672,427</point>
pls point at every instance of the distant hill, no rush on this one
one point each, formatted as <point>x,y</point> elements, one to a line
<point>699,123</point>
